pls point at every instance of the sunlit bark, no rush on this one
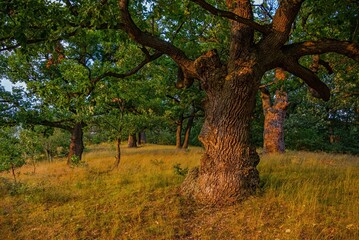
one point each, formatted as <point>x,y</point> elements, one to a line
<point>274,116</point>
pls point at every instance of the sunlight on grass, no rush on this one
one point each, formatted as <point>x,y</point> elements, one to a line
<point>303,196</point>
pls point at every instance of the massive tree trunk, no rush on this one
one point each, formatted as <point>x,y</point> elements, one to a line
<point>76,144</point>
<point>132,142</point>
<point>227,171</point>
<point>274,115</point>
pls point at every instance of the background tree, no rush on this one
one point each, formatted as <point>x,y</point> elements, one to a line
<point>183,106</point>
<point>11,151</point>
<point>274,115</point>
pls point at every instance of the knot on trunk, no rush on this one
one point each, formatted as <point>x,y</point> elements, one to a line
<point>183,80</point>
<point>210,59</point>
<point>210,70</point>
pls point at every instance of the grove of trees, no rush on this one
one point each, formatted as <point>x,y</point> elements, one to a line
<point>135,66</point>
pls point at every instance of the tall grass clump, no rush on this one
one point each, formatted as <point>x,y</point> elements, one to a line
<point>302,196</point>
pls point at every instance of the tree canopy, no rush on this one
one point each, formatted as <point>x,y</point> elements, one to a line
<point>227,46</point>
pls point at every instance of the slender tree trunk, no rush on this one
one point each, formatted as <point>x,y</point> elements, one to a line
<point>118,152</point>
<point>143,137</point>
<point>76,144</point>
<point>274,116</point>
<point>227,172</point>
<point>139,139</point>
<point>13,172</point>
<point>179,132</point>
<point>33,164</point>
<point>132,143</point>
<point>332,137</point>
<point>49,155</point>
<point>188,132</point>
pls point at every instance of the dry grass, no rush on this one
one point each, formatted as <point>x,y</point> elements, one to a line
<point>303,196</point>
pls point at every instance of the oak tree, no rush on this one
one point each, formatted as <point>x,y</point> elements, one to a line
<point>228,168</point>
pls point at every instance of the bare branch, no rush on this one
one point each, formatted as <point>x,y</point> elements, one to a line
<point>309,78</point>
<point>298,50</point>
<point>59,124</point>
<point>264,9</point>
<point>326,65</point>
<point>173,98</point>
<point>351,94</point>
<point>230,15</point>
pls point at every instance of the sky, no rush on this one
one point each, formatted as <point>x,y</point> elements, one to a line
<point>8,85</point>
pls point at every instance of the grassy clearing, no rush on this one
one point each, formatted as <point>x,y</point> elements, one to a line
<point>303,196</point>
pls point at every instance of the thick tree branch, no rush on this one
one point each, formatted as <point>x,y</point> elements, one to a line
<point>282,24</point>
<point>149,40</point>
<point>298,50</point>
<point>308,77</point>
<point>285,16</point>
<point>266,100</point>
<point>230,15</point>
<point>60,124</point>
<point>148,59</point>
<point>326,65</point>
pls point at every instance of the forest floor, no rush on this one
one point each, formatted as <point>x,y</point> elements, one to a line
<point>303,195</point>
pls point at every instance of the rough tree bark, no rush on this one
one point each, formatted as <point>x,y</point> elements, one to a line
<point>132,142</point>
<point>227,171</point>
<point>76,145</point>
<point>274,116</point>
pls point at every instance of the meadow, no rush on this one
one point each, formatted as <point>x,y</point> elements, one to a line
<point>303,195</point>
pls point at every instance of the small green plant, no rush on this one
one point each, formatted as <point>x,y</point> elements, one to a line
<point>77,162</point>
<point>179,170</point>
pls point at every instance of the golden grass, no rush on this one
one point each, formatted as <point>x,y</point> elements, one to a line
<point>303,196</point>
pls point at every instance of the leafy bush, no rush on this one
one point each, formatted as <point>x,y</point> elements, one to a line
<point>179,170</point>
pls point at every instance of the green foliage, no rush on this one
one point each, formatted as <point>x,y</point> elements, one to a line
<point>83,42</point>
<point>179,170</point>
<point>10,151</point>
<point>75,161</point>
